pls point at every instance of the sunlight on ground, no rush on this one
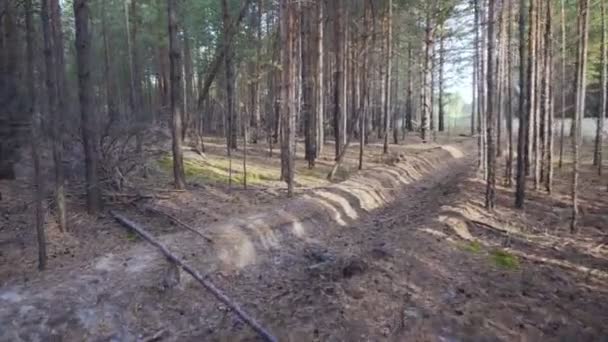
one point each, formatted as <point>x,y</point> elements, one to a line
<point>453,151</point>
<point>458,226</point>
<point>216,170</point>
<point>334,214</point>
<point>340,201</point>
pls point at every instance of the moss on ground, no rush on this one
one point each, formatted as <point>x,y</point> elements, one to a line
<point>215,170</point>
<point>473,247</point>
<point>498,257</point>
<point>504,259</point>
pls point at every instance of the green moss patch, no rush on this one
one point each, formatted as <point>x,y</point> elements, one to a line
<point>473,247</point>
<point>504,259</point>
<point>216,170</point>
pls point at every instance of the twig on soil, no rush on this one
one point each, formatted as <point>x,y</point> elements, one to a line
<point>156,337</point>
<point>598,247</point>
<point>167,190</point>
<point>265,334</point>
<point>403,218</point>
<point>179,222</point>
<point>138,196</point>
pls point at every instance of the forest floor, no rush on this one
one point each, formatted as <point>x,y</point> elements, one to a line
<point>429,265</point>
<point>212,196</point>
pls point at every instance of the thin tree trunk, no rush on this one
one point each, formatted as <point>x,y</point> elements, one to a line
<point>491,153</point>
<point>536,134</point>
<point>395,96</point>
<point>338,76</point>
<point>112,110</point>
<point>54,117</point>
<point>500,83</point>
<point>550,132</point>
<point>474,89</point>
<point>432,124</point>
<point>319,81</point>
<point>219,56</point>
<point>441,80</point>
<point>531,86</point>
<point>509,73</point>
<point>363,99</point>
<point>344,87</point>
<point>598,158</point>
<point>176,89</point>
<point>245,137</point>
<point>563,85</point>
<point>580,83</point>
<point>520,193</point>
<point>289,77</point>
<point>480,86</point>
<point>547,114</point>
<point>231,130</point>
<point>427,85</point>
<point>62,86</point>
<point>308,79</point>
<point>188,85</point>
<point>87,106</point>
<point>409,125</point>
<point>387,87</point>
<point>133,106</point>
<point>255,96</point>
<point>38,181</point>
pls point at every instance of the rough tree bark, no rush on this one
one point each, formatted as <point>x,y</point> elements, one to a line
<point>509,163</point>
<point>520,193</point>
<point>35,136</point>
<point>563,82</point>
<point>547,112</point>
<point>490,121</point>
<point>409,116</point>
<point>478,14</point>
<point>255,85</point>
<point>231,129</point>
<point>319,84</point>
<point>131,14</point>
<point>53,111</point>
<point>427,84</point>
<point>500,78</point>
<point>308,79</point>
<point>441,112</point>
<point>176,89</point>
<point>87,105</point>
<point>388,71</point>
<point>580,86</point>
<point>338,77</point>
<point>288,91</point>
<point>112,109</point>
<point>188,84</point>
<point>474,88</point>
<point>601,117</point>
<point>364,83</point>
<point>536,134</point>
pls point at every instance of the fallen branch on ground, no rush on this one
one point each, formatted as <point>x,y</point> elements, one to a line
<point>178,222</point>
<point>138,196</point>
<point>267,336</point>
<point>156,337</point>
